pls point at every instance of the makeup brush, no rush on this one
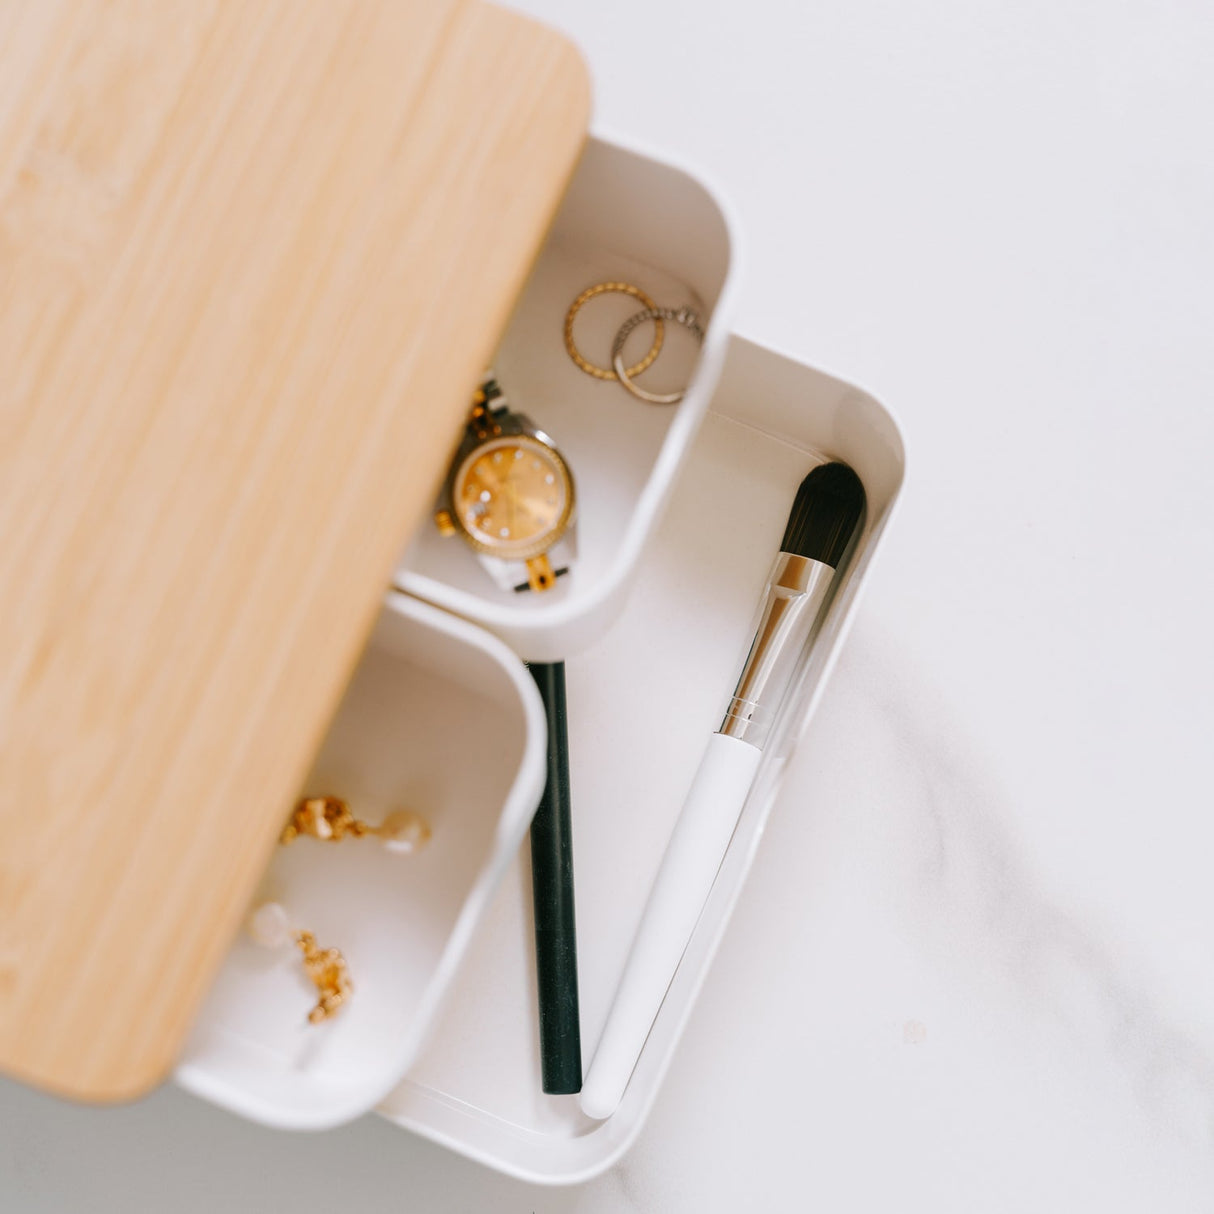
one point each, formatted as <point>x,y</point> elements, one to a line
<point>828,509</point>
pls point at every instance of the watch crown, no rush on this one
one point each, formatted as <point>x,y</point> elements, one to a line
<point>444,522</point>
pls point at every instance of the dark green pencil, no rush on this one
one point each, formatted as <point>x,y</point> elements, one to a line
<point>552,898</point>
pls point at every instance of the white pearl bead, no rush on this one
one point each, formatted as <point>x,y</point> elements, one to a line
<point>269,926</point>
<point>404,831</point>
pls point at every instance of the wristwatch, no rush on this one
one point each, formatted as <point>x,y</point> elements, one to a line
<point>510,494</point>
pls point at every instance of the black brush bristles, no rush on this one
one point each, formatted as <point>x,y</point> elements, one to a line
<point>827,510</point>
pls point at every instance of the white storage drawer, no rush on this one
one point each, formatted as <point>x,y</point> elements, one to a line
<point>626,217</point>
<point>473,764</point>
<point>427,681</point>
<point>449,930</point>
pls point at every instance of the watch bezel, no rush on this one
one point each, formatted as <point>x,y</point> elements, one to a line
<point>511,550</point>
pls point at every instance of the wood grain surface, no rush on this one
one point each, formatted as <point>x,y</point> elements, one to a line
<point>253,256</point>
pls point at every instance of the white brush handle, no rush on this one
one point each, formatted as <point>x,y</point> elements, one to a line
<point>689,867</point>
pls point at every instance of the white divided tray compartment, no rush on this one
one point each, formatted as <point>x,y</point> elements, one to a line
<point>427,683</point>
<point>631,218</point>
<point>642,703</point>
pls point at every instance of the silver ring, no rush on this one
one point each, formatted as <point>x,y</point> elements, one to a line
<point>687,317</point>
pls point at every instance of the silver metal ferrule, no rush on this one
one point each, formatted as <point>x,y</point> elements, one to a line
<point>795,592</point>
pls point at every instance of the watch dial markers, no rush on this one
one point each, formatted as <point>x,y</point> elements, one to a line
<point>510,504</point>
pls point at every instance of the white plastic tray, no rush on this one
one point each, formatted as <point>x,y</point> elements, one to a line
<point>427,683</point>
<point>626,217</point>
<point>642,702</point>
<point>441,715</point>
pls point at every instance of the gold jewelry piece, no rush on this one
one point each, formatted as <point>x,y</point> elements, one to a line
<point>509,494</point>
<point>603,288</point>
<point>330,820</point>
<point>689,318</point>
<point>329,973</point>
<point>270,926</point>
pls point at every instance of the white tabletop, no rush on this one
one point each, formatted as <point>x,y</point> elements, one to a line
<point>973,968</point>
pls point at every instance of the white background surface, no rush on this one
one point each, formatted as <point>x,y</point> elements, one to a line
<point>973,968</point>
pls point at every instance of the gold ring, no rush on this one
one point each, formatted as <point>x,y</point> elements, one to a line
<point>603,288</point>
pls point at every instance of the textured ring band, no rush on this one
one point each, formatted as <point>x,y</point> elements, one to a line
<point>687,317</point>
<point>604,288</point>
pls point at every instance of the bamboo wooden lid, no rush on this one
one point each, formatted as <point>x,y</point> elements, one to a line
<point>253,256</point>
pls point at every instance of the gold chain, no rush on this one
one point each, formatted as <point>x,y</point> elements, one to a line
<point>329,974</point>
<point>327,818</point>
<point>331,820</point>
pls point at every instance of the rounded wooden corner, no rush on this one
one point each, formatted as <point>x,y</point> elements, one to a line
<point>106,1088</point>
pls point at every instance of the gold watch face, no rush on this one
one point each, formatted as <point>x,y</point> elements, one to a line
<point>512,497</point>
